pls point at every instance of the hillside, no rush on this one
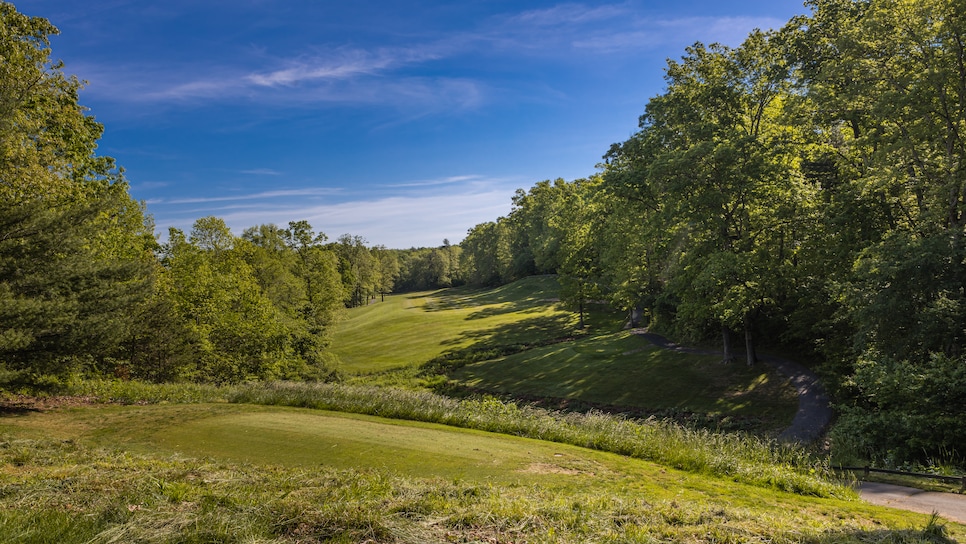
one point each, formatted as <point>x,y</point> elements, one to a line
<point>551,362</point>
<point>412,328</point>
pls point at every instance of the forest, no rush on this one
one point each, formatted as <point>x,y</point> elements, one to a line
<point>804,191</point>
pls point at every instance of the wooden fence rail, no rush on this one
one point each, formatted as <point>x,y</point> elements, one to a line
<point>950,479</point>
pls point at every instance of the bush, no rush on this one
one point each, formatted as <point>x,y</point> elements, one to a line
<point>905,413</point>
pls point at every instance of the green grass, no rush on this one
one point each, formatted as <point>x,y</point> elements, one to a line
<point>310,438</point>
<point>742,458</point>
<point>460,338</point>
<point>409,329</point>
<point>249,464</point>
<point>626,371</point>
<point>234,473</point>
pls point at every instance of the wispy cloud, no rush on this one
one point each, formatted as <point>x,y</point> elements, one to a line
<point>148,185</point>
<point>396,76</point>
<point>616,28</point>
<point>265,195</point>
<point>569,14</point>
<point>420,220</point>
<point>261,172</point>
<point>339,64</point>
<point>437,182</point>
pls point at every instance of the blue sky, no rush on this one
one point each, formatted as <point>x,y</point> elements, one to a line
<point>402,122</point>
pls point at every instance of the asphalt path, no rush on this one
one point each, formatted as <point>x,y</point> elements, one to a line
<point>813,417</point>
<point>814,412</point>
<point>950,506</point>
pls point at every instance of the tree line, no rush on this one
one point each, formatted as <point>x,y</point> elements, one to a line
<point>86,287</point>
<point>806,188</point>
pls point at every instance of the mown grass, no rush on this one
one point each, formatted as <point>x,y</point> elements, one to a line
<point>516,341</point>
<point>269,475</point>
<point>744,459</point>
<point>67,491</point>
<point>741,458</point>
<point>409,329</point>
<point>624,370</point>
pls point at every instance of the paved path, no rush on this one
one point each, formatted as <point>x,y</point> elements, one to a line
<point>949,505</point>
<point>813,416</point>
<point>814,413</point>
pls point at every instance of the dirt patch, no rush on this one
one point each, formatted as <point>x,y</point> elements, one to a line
<point>22,404</point>
<point>550,468</point>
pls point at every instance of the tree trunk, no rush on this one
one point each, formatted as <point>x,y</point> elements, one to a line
<point>728,355</point>
<point>751,356</point>
<point>581,311</point>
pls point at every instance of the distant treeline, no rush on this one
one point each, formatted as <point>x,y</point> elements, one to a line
<point>807,187</point>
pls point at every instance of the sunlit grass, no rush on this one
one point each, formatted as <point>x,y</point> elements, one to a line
<point>410,329</point>
<point>68,491</point>
<point>742,458</point>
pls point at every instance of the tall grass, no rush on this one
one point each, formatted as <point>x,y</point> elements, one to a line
<point>741,458</point>
<point>137,392</point>
<point>67,493</point>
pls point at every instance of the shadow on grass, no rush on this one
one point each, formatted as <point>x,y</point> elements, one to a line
<point>532,331</point>
<point>599,373</point>
<point>14,411</point>
<point>20,406</point>
<point>529,294</point>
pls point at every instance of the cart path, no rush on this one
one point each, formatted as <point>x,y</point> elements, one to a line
<point>814,415</point>
<point>814,412</point>
<point>950,506</point>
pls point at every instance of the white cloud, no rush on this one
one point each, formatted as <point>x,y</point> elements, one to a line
<point>436,182</point>
<point>395,222</point>
<point>652,34</point>
<point>321,191</point>
<point>568,15</point>
<point>261,172</point>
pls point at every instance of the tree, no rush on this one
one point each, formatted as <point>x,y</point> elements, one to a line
<point>238,333</point>
<point>719,172</point>
<point>576,220</point>
<point>388,264</point>
<point>886,77</point>
<point>317,268</point>
<point>75,249</point>
<point>358,269</point>
<point>486,253</point>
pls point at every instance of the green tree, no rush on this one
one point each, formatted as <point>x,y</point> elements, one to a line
<point>75,249</point>
<point>238,332</point>
<point>486,257</point>
<point>886,78</point>
<point>358,268</point>
<point>389,269</point>
<point>719,171</point>
<point>317,268</point>
<point>575,220</point>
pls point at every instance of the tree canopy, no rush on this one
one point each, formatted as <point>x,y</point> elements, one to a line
<point>805,188</point>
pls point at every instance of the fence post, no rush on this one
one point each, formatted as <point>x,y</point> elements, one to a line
<point>962,487</point>
<point>866,471</point>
